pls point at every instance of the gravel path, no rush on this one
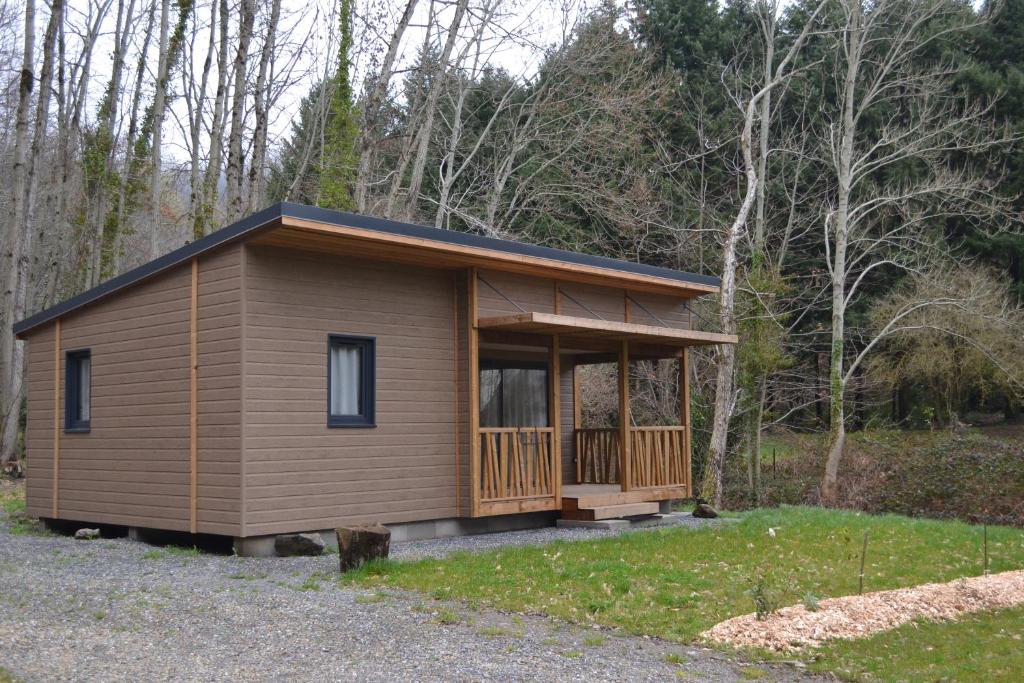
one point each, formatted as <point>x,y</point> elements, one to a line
<point>117,610</point>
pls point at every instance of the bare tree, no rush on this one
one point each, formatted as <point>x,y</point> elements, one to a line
<point>725,355</point>
<point>23,223</point>
<point>874,226</point>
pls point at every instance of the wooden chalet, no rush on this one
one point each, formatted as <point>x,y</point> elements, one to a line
<point>305,369</point>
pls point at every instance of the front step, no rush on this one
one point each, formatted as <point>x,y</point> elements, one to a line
<point>611,511</point>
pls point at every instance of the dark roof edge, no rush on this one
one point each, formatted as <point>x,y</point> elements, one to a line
<point>466,239</point>
<point>235,231</point>
<point>272,214</point>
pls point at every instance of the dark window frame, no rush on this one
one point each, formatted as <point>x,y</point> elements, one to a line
<point>72,393</point>
<point>367,381</point>
<point>511,364</point>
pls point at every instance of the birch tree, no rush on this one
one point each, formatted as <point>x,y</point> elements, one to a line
<point>893,110</point>
<point>725,355</point>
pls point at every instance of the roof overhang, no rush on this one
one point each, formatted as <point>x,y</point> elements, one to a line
<point>446,248</point>
<point>606,330</point>
<point>310,227</point>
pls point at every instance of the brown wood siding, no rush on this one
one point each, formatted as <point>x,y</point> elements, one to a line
<point>39,362</point>
<point>607,303</point>
<point>567,410</point>
<point>132,467</point>
<point>462,357</point>
<point>220,393</point>
<point>670,311</point>
<point>300,474</point>
<point>532,293</point>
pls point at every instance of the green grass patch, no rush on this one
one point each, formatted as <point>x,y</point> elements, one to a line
<point>676,583</point>
<point>979,647</point>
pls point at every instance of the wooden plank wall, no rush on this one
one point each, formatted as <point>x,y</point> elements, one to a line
<point>135,465</point>
<point>568,414</point>
<point>219,404</point>
<point>132,467</point>
<point>300,474</point>
<point>532,293</point>
<point>39,433</point>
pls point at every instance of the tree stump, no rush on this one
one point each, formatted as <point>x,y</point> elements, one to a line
<point>357,545</point>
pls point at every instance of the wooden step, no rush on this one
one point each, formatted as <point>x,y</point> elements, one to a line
<point>595,500</point>
<point>612,511</point>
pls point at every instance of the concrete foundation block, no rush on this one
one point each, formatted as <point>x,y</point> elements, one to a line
<point>601,524</point>
<point>665,507</point>
<point>255,546</point>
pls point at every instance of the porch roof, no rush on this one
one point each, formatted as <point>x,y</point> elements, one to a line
<point>570,326</point>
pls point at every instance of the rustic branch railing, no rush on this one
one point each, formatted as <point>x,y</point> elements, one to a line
<point>597,456</point>
<point>517,462</point>
<point>658,456</point>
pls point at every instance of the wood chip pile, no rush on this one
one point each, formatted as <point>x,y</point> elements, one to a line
<point>859,616</point>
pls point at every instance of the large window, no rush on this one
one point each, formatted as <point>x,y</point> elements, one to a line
<point>77,382</point>
<point>350,381</point>
<point>513,394</point>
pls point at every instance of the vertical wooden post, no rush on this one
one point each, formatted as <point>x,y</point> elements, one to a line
<point>558,299</point>
<point>625,306</point>
<point>474,396</point>
<point>684,414</point>
<point>455,406</point>
<point>56,416</point>
<point>577,421</point>
<point>625,464</point>
<point>193,418</point>
<point>555,410</point>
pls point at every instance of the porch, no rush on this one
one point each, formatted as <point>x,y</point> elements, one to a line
<point>529,449</point>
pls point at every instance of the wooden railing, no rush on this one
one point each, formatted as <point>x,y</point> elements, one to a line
<point>597,456</point>
<point>517,462</point>
<point>657,456</point>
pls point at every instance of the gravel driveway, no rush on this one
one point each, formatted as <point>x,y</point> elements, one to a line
<point>117,610</point>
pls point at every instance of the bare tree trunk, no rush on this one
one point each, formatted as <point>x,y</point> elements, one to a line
<point>725,355</point>
<point>235,161</point>
<point>369,130</point>
<point>106,137</point>
<point>837,382</point>
<point>196,194</point>
<point>159,109</point>
<point>24,226</point>
<point>430,110</point>
<point>202,217</point>
<point>261,99</point>
<point>15,247</point>
<point>129,169</point>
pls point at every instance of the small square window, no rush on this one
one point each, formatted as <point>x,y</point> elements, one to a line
<point>350,381</point>
<point>77,384</point>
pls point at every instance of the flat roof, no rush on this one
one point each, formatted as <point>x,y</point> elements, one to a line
<point>550,323</point>
<point>271,217</point>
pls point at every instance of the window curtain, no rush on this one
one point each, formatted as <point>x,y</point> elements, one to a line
<point>513,397</point>
<point>84,366</point>
<point>524,397</point>
<point>345,362</point>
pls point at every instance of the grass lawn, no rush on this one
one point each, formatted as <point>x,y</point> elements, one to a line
<point>675,583</point>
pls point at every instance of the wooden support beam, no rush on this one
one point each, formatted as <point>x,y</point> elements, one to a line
<point>56,418</point>
<point>625,466</point>
<point>684,415</point>
<point>558,298</point>
<point>554,407</point>
<point>474,395</point>
<point>577,420</point>
<point>193,414</point>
